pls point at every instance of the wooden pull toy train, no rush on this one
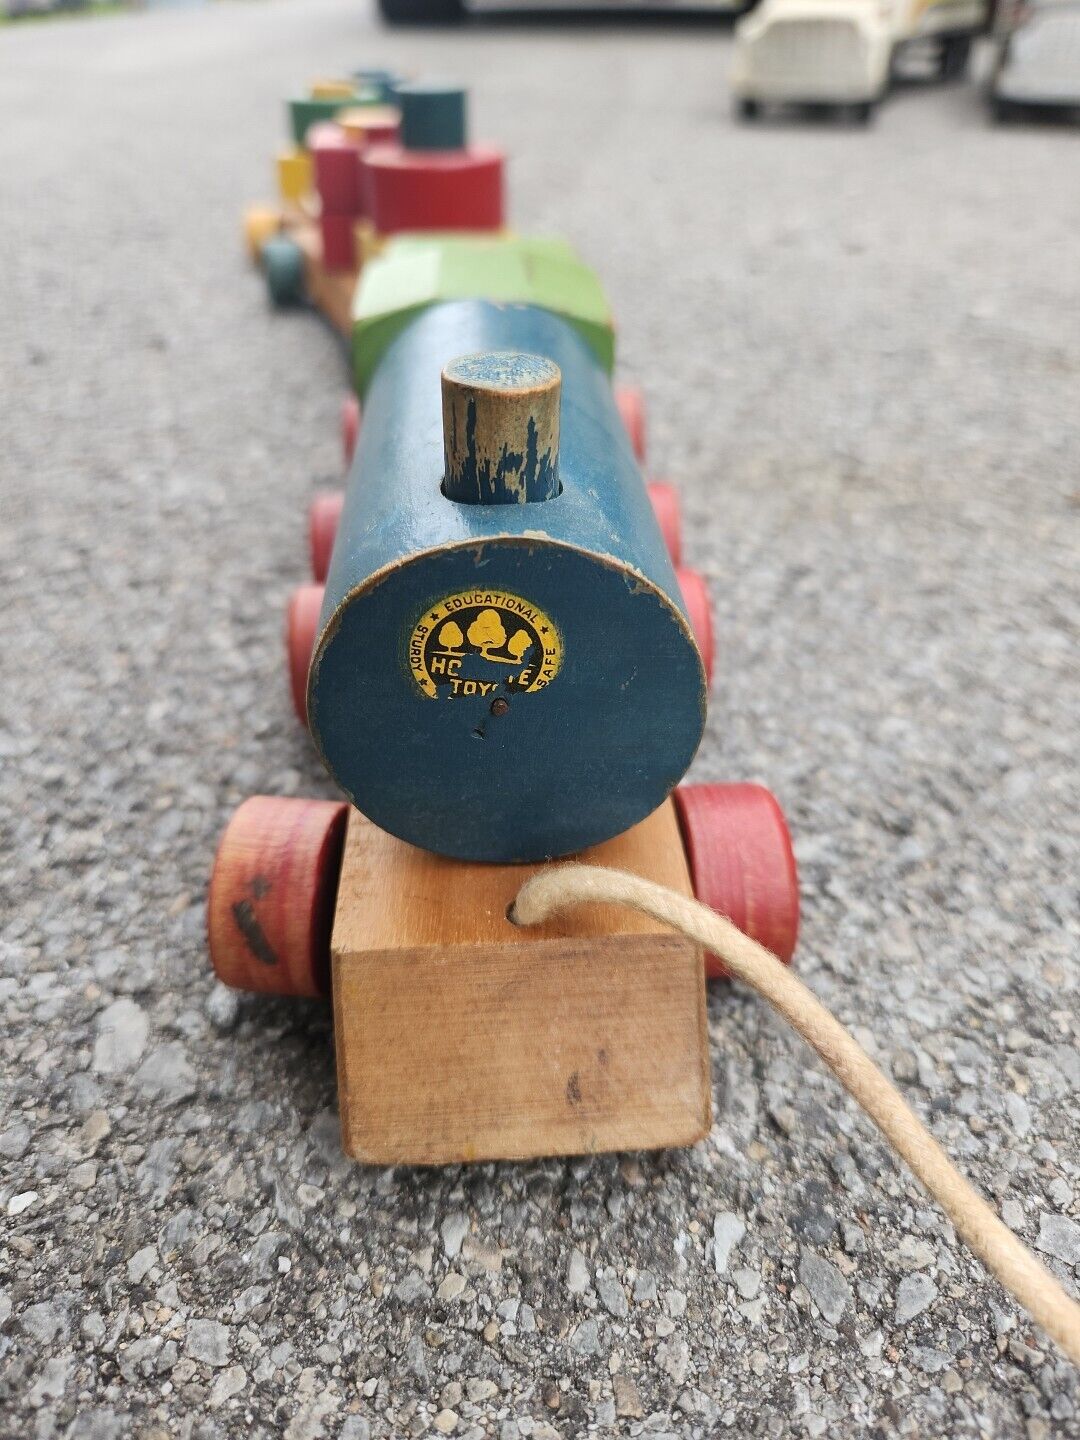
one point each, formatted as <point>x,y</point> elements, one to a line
<point>500,663</point>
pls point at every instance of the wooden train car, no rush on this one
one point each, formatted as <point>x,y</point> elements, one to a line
<point>370,160</point>
<point>500,662</point>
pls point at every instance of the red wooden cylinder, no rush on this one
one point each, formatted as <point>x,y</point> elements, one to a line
<point>350,426</point>
<point>370,125</point>
<point>665,502</point>
<point>741,862</point>
<point>434,189</point>
<point>273,888</point>
<point>336,159</point>
<point>338,241</point>
<point>387,133</point>
<point>301,625</point>
<point>699,607</point>
<point>631,403</point>
<point>323,518</point>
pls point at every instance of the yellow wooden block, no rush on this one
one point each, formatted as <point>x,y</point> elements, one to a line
<point>332,90</point>
<point>369,242</point>
<point>295,175</point>
<point>260,222</point>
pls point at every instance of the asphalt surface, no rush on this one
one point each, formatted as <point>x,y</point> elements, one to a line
<point>862,354</point>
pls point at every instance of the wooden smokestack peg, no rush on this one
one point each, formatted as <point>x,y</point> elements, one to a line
<point>501,428</point>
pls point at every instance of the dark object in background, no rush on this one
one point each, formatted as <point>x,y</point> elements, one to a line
<point>22,9</point>
<point>413,12</point>
<point>1037,65</point>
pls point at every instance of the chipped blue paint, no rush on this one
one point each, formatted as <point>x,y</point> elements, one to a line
<point>476,475</point>
<point>518,477</point>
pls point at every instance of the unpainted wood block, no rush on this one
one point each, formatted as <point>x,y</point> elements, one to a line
<point>462,1037</point>
<point>330,291</point>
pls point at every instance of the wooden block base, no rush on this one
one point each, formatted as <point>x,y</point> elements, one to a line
<point>462,1037</point>
<point>331,291</point>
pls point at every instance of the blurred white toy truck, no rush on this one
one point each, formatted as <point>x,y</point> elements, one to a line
<point>841,52</point>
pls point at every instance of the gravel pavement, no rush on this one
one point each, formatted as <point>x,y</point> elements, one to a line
<point>862,352</point>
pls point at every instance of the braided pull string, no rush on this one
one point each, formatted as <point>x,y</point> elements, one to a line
<point>562,887</point>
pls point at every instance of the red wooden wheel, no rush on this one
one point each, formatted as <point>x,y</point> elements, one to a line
<point>631,403</point>
<point>301,627</point>
<point>695,595</point>
<point>741,862</point>
<point>350,427</point>
<point>273,888</point>
<point>665,502</point>
<point>323,518</point>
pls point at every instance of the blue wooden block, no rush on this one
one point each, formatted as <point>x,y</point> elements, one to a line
<point>501,682</point>
<point>382,83</point>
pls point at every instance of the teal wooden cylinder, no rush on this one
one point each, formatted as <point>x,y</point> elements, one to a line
<point>432,116</point>
<point>501,682</point>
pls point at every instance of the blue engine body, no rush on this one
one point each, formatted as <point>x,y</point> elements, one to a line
<point>501,682</point>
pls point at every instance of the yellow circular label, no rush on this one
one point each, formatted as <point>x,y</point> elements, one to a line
<point>483,643</point>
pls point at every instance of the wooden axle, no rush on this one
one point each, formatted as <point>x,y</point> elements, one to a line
<point>462,1037</point>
